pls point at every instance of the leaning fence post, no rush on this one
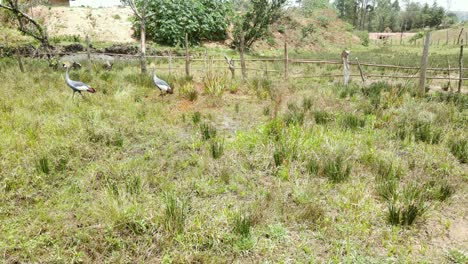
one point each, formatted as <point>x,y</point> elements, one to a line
<point>204,62</point>
<point>232,68</point>
<point>344,57</point>
<point>449,75</point>
<point>187,56</point>
<point>447,37</point>
<point>460,80</point>
<point>459,36</point>
<point>361,71</point>
<point>286,60</point>
<point>422,79</point>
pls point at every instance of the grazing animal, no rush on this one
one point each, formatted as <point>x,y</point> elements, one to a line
<point>162,85</point>
<point>77,86</point>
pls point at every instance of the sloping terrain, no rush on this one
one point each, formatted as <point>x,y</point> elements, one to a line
<point>102,24</point>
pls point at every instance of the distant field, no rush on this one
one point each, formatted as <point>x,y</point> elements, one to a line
<point>304,170</point>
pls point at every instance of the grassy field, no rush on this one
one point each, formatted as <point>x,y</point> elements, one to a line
<point>269,171</point>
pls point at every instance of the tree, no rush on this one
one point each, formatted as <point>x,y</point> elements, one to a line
<point>26,24</point>
<point>139,10</point>
<point>254,23</point>
<point>200,19</point>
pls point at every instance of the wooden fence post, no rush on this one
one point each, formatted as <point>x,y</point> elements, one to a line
<point>88,51</point>
<point>361,71</point>
<point>447,37</point>
<point>460,82</point>
<point>449,75</point>
<point>286,60</point>
<point>232,67</point>
<point>241,49</point>
<point>346,72</point>
<point>459,36</point>
<point>187,56</point>
<point>422,79</point>
<point>204,62</point>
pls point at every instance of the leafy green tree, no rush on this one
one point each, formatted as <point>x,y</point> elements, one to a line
<point>169,20</point>
<point>254,23</point>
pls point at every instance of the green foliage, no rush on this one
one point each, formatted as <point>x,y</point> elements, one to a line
<point>337,169</point>
<point>323,117</point>
<point>363,36</point>
<point>242,224</point>
<point>175,213</point>
<point>217,148</point>
<point>254,23</point>
<point>294,115</point>
<point>169,21</point>
<point>309,7</point>
<point>207,131</point>
<point>188,92</point>
<point>409,205</point>
<point>352,121</point>
<point>313,167</point>
<point>43,165</point>
<point>459,148</point>
<point>196,118</point>
<point>214,85</point>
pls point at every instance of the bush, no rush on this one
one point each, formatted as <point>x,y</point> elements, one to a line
<point>170,20</point>
<point>322,117</point>
<point>352,121</point>
<point>363,36</point>
<point>188,92</point>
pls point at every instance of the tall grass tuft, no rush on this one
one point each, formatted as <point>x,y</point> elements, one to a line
<point>188,91</point>
<point>175,213</point>
<point>242,223</point>
<point>352,121</point>
<point>214,85</point>
<point>427,132</point>
<point>312,167</point>
<point>337,169</point>
<point>217,148</point>
<point>43,166</point>
<point>409,205</point>
<point>459,148</point>
<point>306,104</point>
<point>323,117</point>
<point>196,118</point>
<point>207,131</point>
<point>294,115</point>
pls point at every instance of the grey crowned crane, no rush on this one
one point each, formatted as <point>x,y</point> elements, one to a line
<point>162,85</point>
<point>77,86</point>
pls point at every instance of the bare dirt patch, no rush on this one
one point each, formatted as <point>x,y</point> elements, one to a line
<point>102,24</point>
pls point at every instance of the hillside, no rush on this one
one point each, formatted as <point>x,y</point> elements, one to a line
<point>113,25</point>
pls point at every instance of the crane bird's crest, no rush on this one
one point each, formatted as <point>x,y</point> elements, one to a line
<point>161,84</point>
<point>77,86</point>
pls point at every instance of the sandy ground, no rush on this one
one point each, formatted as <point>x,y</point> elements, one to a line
<point>102,24</point>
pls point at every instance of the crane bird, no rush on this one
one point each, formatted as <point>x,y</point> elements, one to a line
<point>77,86</point>
<point>161,84</point>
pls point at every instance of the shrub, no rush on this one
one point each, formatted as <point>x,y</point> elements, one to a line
<point>201,19</point>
